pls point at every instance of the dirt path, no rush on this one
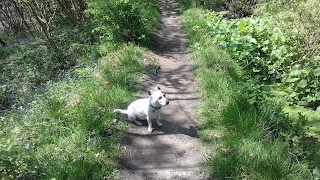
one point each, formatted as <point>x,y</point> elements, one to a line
<point>172,151</point>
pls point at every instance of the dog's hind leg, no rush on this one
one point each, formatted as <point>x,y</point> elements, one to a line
<point>133,118</point>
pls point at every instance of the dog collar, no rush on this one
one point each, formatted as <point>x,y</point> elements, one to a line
<point>155,107</point>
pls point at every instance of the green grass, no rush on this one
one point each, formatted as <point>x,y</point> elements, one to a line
<point>68,132</point>
<point>243,139</point>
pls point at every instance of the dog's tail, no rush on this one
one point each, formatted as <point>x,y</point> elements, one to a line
<point>120,111</point>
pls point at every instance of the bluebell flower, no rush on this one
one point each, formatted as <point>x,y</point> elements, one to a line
<point>42,90</point>
<point>76,75</point>
<point>95,62</point>
<point>53,129</point>
<point>21,110</point>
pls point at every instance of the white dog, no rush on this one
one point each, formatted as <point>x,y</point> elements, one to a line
<point>146,109</point>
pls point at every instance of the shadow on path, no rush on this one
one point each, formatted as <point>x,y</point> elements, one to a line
<point>172,151</point>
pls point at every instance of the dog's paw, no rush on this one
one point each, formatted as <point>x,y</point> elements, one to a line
<point>150,130</point>
<point>159,124</point>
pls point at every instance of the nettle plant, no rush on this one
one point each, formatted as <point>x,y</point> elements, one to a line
<point>264,51</point>
<point>268,54</point>
<point>303,82</point>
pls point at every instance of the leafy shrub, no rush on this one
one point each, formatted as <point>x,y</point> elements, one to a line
<point>125,20</point>
<point>302,16</point>
<point>261,49</point>
<point>267,54</point>
<point>303,82</point>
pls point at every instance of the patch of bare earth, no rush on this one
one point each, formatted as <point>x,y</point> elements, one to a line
<point>172,151</point>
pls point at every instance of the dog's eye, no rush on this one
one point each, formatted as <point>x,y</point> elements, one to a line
<point>164,95</point>
<point>160,98</point>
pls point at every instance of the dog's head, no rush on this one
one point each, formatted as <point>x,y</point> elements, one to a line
<point>158,97</point>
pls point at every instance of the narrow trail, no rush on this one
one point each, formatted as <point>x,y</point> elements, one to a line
<point>172,151</point>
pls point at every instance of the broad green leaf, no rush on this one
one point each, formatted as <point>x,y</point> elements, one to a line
<point>253,40</point>
<point>316,72</point>
<point>303,83</point>
<point>310,99</point>
<point>296,72</point>
<point>291,80</point>
<point>256,70</point>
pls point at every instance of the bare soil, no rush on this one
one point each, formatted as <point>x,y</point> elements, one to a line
<point>174,150</point>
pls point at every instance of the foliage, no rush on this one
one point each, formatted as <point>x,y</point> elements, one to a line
<point>301,16</point>
<point>266,53</point>
<point>124,20</point>
<point>251,140</point>
<point>302,81</point>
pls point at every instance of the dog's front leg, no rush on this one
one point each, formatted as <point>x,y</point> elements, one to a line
<point>158,122</point>
<point>150,129</point>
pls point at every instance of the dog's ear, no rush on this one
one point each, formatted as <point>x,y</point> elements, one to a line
<point>149,92</point>
<point>158,88</point>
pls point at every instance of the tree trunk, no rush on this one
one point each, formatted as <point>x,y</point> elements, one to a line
<point>20,12</point>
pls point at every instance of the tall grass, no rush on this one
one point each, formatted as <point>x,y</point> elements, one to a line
<point>243,138</point>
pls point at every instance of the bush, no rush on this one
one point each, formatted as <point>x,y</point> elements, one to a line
<point>301,81</point>
<point>124,21</point>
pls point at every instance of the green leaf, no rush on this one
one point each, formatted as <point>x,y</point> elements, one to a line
<point>256,70</point>
<point>296,72</point>
<point>310,99</point>
<point>293,94</point>
<point>303,83</point>
<point>253,40</point>
<point>291,80</point>
<point>316,72</point>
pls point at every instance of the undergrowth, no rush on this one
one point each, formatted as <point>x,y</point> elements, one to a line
<point>248,133</point>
